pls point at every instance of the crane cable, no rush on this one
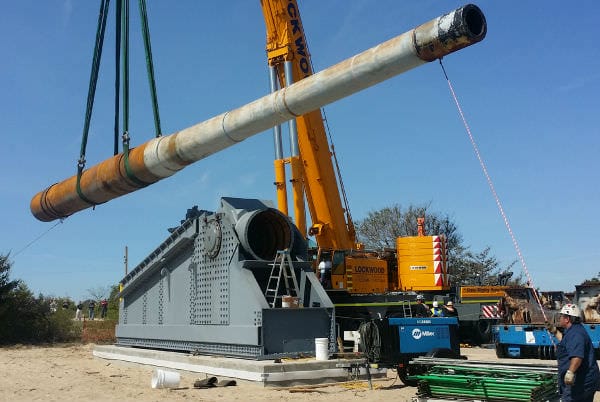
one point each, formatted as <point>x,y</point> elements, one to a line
<point>349,221</point>
<point>493,190</point>
<point>38,237</point>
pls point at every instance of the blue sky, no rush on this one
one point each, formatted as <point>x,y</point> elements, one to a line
<point>529,92</point>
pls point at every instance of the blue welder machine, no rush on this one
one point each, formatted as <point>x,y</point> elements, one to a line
<point>393,342</point>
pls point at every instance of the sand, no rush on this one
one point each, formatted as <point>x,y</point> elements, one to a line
<point>71,373</point>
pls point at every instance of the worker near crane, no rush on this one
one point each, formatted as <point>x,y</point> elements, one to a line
<point>436,310</point>
<point>449,310</point>
<point>421,309</point>
<point>325,273</point>
<point>578,373</point>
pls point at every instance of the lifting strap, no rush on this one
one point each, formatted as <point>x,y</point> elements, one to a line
<point>118,39</point>
<point>91,94</point>
<point>121,46</point>
<point>125,70</point>
<point>150,66</point>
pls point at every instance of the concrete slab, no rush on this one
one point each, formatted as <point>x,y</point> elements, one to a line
<point>266,373</point>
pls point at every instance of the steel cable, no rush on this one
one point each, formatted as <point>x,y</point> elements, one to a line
<point>493,190</point>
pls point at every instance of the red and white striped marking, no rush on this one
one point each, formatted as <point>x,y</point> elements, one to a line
<point>490,311</point>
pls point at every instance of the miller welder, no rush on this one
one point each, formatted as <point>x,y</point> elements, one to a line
<point>393,342</point>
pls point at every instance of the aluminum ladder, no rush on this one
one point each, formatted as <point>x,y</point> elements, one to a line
<point>406,308</point>
<point>281,267</point>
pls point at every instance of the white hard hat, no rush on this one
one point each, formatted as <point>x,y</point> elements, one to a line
<point>420,297</point>
<point>449,303</point>
<point>435,304</point>
<point>570,309</point>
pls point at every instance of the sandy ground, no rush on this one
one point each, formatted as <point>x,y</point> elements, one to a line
<point>71,373</point>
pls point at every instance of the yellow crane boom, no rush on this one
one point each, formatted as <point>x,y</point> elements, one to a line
<point>288,56</point>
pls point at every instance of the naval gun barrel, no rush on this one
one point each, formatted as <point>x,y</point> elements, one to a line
<point>162,157</point>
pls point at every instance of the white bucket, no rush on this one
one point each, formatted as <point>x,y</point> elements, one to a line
<point>356,347</point>
<point>322,348</point>
<point>165,379</point>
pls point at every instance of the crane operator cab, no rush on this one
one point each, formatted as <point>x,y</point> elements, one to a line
<point>331,268</point>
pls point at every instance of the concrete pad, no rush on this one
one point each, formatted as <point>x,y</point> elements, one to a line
<point>262,372</point>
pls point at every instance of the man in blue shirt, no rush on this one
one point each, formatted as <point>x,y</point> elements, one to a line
<point>578,374</point>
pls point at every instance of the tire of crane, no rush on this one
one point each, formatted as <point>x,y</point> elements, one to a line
<point>540,352</point>
<point>500,350</point>
<point>403,375</point>
<point>484,330</point>
<point>442,352</point>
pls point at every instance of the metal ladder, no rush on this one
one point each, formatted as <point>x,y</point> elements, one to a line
<point>281,267</point>
<point>406,309</point>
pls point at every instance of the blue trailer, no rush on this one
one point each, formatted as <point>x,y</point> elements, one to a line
<point>523,332</point>
<point>532,341</point>
<point>393,342</point>
<point>587,298</point>
<point>531,338</point>
<point>593,331</point>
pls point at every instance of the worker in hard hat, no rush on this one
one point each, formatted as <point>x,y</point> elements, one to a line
<point>325,273</point>
<point>449,310</point>
<point>578,374</point>
<point>436,310</point>
<point>421,309</point>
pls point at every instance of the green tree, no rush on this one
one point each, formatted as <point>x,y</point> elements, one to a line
<point>593,280</point>
<point>26,318</point>
<point>6,285</point>
<point>482,268</point>
<point>113,303</point>
<point>100,292</point>
<point>380,229</point>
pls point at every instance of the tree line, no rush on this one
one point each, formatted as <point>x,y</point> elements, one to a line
<point>379,230</point>
<point>31,319</point>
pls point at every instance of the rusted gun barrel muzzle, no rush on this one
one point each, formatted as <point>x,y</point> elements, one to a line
<point>164,156</point>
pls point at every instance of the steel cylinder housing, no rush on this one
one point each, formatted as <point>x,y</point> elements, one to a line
<point>263,232</point>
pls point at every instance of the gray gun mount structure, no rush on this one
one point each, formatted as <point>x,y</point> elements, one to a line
<point>205,289</point>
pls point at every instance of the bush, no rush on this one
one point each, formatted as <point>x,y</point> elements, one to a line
<point>99,331</point>
<point>27,319</point>
<point>62,327</point>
